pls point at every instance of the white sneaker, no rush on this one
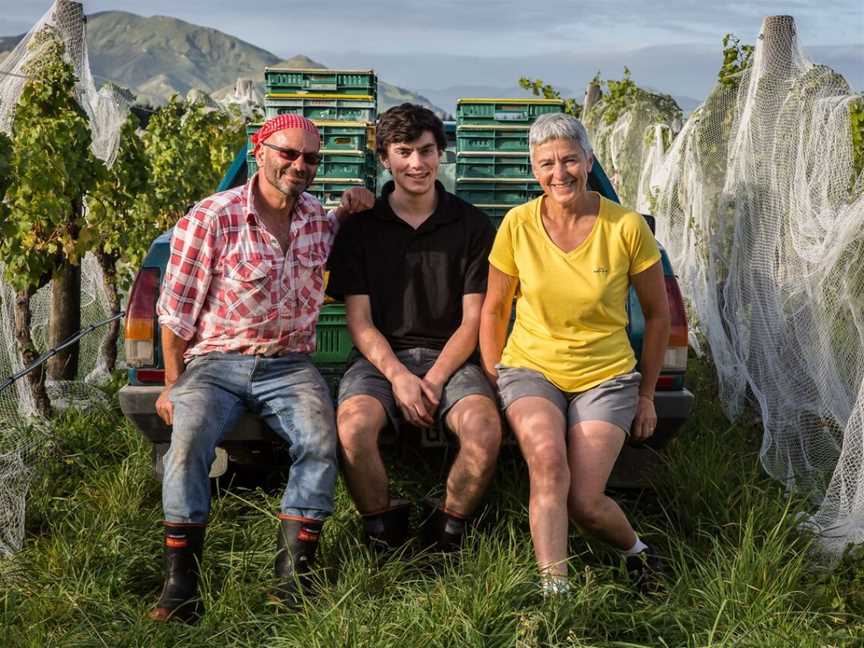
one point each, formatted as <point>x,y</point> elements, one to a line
<point>554,586</point>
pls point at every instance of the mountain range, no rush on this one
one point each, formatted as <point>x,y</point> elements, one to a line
<point>157,57</point>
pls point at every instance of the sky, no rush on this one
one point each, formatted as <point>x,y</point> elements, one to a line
<point>396,36</point>
<point>478,27</point>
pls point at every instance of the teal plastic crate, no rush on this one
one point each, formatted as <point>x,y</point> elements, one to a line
<point>492,139</point>
<point>497,192</point>
<point>505,111</point>
<point>324,107</point>
<point>333,344</point>
<point>320,81</point>
<point>502,165</point>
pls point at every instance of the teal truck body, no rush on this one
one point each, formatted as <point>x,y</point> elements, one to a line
<point>251,443</point>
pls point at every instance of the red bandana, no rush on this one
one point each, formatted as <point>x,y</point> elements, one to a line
<point>281,122</point>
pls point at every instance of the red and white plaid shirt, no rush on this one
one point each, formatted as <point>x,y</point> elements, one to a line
<point>229,287</point>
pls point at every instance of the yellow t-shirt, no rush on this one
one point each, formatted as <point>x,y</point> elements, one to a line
<point>571,312</point>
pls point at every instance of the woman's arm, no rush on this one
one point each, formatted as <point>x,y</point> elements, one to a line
<point>494,317</point>
<point>651,290</point>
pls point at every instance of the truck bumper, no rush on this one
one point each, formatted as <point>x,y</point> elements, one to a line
<point>251,442</point>
<point>673,409</point>
<point>138,403</point>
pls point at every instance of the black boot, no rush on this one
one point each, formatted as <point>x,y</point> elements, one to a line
<point>646,571</point>
<point>442,530</point>
<point>389,529</point>
<point>296,545</point>
<point>184,544</point>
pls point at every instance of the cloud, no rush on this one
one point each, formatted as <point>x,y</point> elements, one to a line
<point>490,27</point>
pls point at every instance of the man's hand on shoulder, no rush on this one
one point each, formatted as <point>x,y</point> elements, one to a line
<point>354,200</point>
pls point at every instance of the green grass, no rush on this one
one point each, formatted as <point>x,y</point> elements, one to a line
<point>743,575</point>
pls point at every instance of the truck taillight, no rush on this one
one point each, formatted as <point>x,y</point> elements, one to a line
<point>140,332</point>
<point>675,359</point>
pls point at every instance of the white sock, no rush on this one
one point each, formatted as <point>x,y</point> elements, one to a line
<point>639,547</point>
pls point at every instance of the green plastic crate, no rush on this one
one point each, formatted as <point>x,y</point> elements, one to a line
<point>332,375</point>
<point>333,344</point>
<point>341,164</point>
<point>346,136</point>
<point>335,135</point>
<point>320,81</point>
<point>329,190</point>
<point>492,139</point>
<point>507,165</point>
<point>497,192</point>
<point>505,111</point>
<point>347,164</point>
<point>251,129</point>
<point>325,107</point>
<point>496,213</point>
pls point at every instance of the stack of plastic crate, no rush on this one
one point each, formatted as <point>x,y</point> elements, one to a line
<point>493,171</point>
<point>343,104</point>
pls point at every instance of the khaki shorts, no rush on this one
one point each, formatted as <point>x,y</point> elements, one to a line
<point>363,379</point>
<point>613,401</point>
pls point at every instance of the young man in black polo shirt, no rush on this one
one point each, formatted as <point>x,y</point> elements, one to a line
<point>413,274</point>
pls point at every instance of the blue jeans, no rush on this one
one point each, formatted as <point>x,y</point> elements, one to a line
<point>292,398</point>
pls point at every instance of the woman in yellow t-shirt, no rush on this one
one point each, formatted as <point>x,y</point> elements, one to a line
<point>567,374</point>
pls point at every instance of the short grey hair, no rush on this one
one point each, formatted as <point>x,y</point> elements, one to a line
<point>552,126</point>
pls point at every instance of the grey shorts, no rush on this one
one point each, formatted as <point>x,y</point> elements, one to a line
<point>613,401</point>
<point>363,379</point>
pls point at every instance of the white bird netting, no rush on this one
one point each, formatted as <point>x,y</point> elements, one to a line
<point>106,108</point>
<point>760,205</point>
<point>23,438</point>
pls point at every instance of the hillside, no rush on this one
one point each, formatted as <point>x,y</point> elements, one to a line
<point>159,56</point>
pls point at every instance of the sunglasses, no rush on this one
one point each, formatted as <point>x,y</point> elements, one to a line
<point>290,154</point>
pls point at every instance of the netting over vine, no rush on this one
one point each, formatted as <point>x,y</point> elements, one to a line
<point>760,203</point>
<point>23,437</point>
<point>623,126</point>
<point>106,108</point>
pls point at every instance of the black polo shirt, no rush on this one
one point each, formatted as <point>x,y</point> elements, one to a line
<point>415,279</point>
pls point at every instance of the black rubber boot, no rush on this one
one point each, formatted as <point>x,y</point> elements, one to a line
<point>296,545</point>
<point>387,530</point>
<point>184,544</point>
<point>442,530</point>
<point>646,571</point>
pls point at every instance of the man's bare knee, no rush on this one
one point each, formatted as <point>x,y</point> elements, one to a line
<point>359,423</point>
<point>480,439</point>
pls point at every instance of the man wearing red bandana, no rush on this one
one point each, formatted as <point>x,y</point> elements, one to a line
<point>238,310</point>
